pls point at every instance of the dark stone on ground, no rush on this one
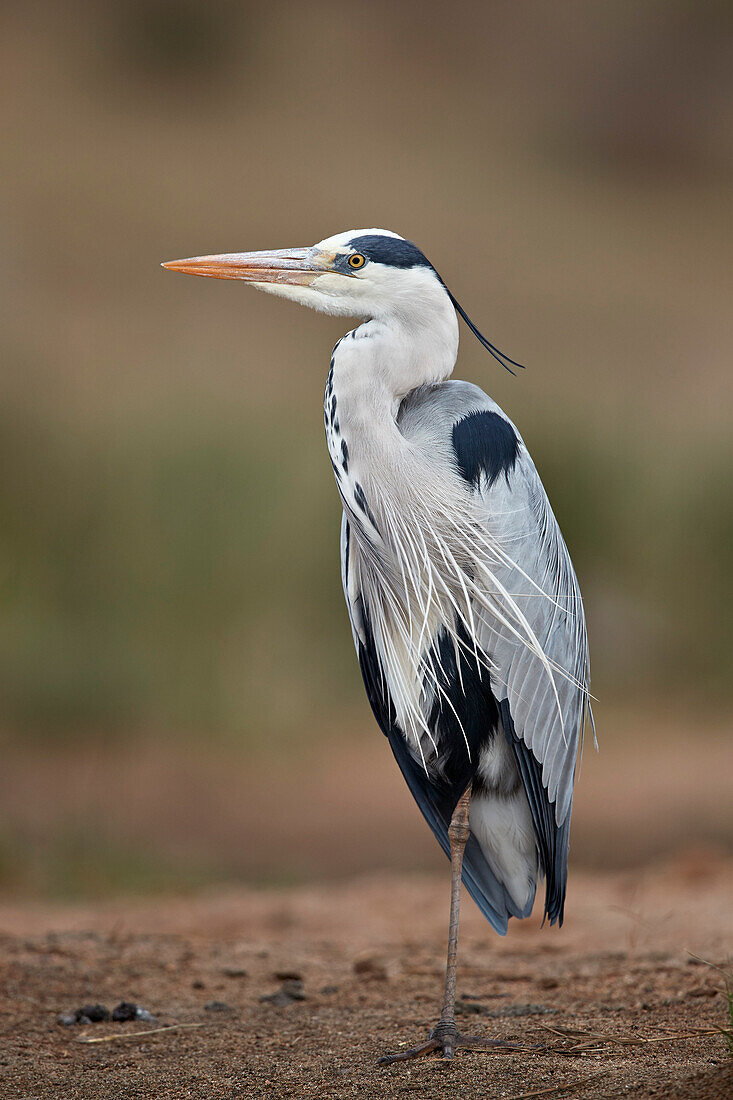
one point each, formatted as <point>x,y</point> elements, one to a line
<point>291,990</point>
<point>128,1010</point>
<point>93,1014</point>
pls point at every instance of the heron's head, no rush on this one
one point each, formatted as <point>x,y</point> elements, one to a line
<point>360,273</point>
<point>370,273</point>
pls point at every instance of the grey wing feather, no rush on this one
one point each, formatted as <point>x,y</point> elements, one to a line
<point>547,711</point>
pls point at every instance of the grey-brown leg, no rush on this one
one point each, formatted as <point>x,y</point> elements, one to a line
<point>458,833</point>
<point>445,1036</point>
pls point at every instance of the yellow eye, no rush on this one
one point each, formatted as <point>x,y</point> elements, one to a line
<point>356,261</point>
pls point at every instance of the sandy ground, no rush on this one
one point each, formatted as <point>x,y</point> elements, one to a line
<point>369,954</point>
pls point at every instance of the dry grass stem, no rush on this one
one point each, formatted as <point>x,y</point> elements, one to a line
<point>133,1034</point>
<point>571,1042</point>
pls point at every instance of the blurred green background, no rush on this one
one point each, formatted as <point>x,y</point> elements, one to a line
<point>175,660</point>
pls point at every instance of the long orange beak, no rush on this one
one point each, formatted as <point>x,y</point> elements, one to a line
<point>298,266</point>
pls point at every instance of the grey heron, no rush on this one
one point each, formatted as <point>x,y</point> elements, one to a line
<point>465,610</point>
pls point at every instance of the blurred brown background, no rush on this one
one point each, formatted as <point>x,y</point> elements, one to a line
<point>179,697</point>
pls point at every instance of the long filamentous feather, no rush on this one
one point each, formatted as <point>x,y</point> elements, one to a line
<point>418,578</point>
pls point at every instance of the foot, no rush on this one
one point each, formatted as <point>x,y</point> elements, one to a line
<point>444,1040</point>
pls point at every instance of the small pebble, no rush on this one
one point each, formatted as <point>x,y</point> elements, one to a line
<point>288,976</point>
<point>128,1010</point>
<point>217,1006</point>
<point>291,990</point>
<point>66,1019</point>
<point>234,972</point>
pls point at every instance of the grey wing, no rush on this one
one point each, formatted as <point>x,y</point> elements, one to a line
<point>541,688</point>
<point>533,565</point>
<point>547,708</point>
<point>542,699</point>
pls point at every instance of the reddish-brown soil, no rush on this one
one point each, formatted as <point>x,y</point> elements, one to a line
<point>369,953</point>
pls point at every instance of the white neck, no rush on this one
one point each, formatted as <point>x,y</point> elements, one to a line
<point>385,482</point>
<point>381,361</point>
<point>372,369</point>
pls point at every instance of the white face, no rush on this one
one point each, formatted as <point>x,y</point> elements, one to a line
<point>359,273</point>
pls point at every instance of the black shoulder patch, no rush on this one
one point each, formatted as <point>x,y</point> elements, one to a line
<point>485,444</point>
<point>389,250</point>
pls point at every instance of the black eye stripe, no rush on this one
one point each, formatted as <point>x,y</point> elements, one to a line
<point>392,251</point>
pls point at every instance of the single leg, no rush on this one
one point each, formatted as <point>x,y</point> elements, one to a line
<point>458,832</point>
<point>444,1036</point>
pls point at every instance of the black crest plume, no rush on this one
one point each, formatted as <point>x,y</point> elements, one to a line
<point>498,355</point>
